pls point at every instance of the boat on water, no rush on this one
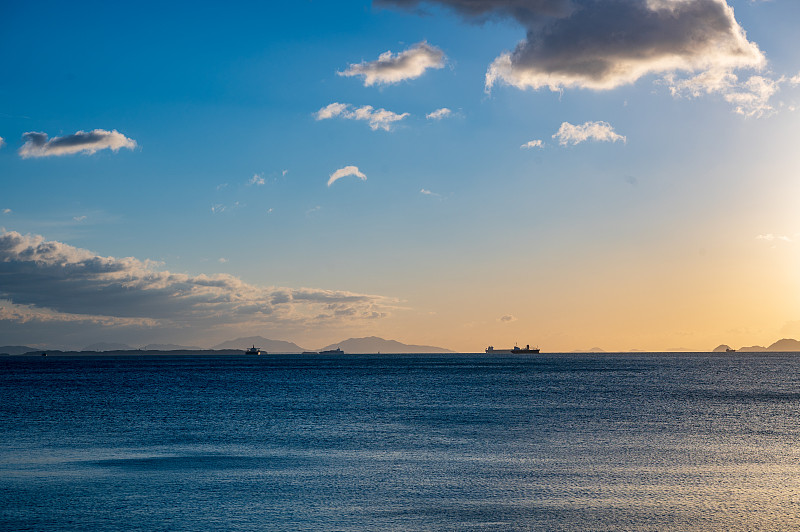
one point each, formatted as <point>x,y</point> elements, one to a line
<point>514,350</point>
<point>336,351</point>
<point>729,350</point>
<point>253,351</point>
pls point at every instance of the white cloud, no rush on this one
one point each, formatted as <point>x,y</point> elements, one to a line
<point>390,68</point>
<point>217,208</point>
<point>438,114</point>
<point>79,218</point>
<point>44,281</point>
<point>533,144</point>
<point>257,179</point>
<point>795,80</point>
<point>599,131</point>
<point>284,172</point>
<point>426,192</point>
<point>344,172</point>
<point>38,145</point>
<point>332,110</point>
<point>7,211</point>
<point>2,142</point>
<point>222,260</point>
<point>377,118</point>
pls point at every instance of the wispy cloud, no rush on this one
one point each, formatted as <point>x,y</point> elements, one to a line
<point>79,218</point>
<point>222,260</point>
<point>605,44</point>
<point>393,68</point>
<point>217,208</point>
<point>2,142</point>
<point>599,131</point>
<point>89,142</point>
<point>7,211</point>
<point>52,281</point>
<point>750,97</point>
<point>426,192</point>
<point>508,318</point>
<point>438,114</point>
<point>344,172</point>
<point>377,118</point>
<point>533,144</point>
<point>257,179</point>
<point>769,237</point>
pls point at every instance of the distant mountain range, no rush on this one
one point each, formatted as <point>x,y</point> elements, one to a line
<point>373,344</point>
<point>107,346</point>
<point>370,344</point>
<point>16,349</point>
<point>786,345</point>
<point>265,344</point>
<point>111,346</point>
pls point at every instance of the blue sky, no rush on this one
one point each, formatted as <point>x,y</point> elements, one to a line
<point>671,223</point>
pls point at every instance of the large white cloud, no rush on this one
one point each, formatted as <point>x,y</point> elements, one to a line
<point>393,68</point>
<point>602,44</point>
<point>49,281</point>
<point>376,118</point>
<point>345,172</point>
<point>38,145</point>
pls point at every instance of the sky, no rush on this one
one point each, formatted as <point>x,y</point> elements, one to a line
<point>621,174</point>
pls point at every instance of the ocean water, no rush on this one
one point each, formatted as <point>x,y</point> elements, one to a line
<point>401,442</point>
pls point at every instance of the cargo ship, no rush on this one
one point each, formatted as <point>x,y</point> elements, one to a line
<point>253,350</point>
<point>515,350</point>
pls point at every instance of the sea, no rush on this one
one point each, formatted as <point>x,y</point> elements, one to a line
<point>401,442</point>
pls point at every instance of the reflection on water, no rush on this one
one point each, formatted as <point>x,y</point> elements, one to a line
<point>412,442</point>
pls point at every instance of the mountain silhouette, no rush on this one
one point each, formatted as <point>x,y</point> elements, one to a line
<point>107,346</point>
<point>374,344</point>
<point>265,344</point>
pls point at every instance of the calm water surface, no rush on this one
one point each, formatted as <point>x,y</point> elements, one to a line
<point>401,442</point>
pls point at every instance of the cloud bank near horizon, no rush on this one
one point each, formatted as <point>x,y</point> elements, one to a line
<point>393,68</point>
<point>45,281</point>
<point>37,144</point>
<point>601,45</point>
